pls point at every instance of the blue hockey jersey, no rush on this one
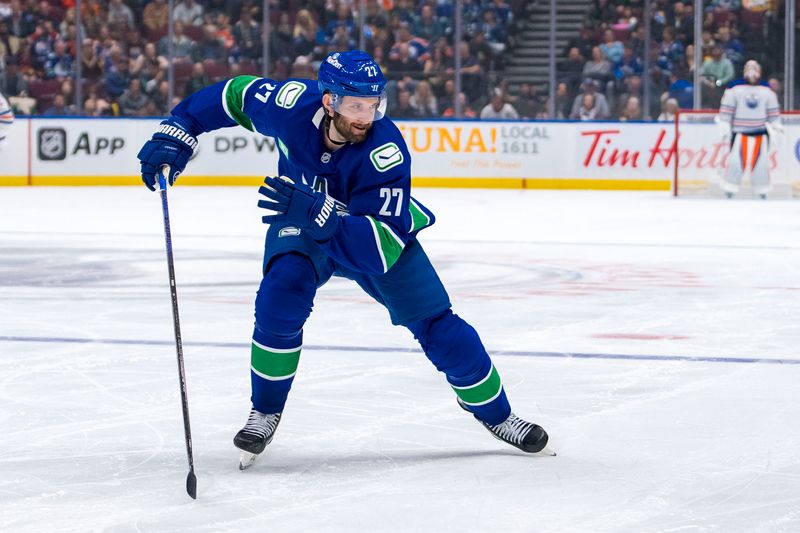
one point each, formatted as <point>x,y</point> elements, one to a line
<point>372,178</point>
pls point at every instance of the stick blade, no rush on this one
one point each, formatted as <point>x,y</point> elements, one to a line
<point>191,485</point>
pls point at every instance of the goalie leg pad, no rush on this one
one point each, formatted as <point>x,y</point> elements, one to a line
<point>759,166</point>
<point>737,160</point>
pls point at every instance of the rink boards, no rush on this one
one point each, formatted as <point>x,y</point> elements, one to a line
<point>485,154</point>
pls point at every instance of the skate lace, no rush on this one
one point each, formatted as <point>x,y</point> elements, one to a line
<point>260,424</point>
<point>514,429</point>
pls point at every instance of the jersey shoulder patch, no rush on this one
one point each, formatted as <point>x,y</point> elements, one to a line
<point>289,94</point>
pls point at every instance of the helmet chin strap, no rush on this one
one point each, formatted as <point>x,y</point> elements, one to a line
<point>327,127</point>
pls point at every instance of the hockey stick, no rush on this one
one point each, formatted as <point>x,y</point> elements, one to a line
<point>191,479</point>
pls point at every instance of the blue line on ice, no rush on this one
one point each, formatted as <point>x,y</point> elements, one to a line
<point>519,353</point>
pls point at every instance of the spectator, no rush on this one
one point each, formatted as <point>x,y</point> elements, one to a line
<point>161,98</point>
<point>59,63</point>
<point>633,89</point>
<point>305,33</point>
<point>403,64</point>
<point>156,16</point>
<point>629,65</point>
<point>715,74</point>
<point>471,73</point>
<point>247,34</point>
<point>94,106</point>
<point>611,48</point>
<point>133,100</point>
<point>14,83</point>
<point>117,79</point>
<point>584,43</point>
<point>599,102</point>
<point>689,60</point>
<point>588,109</point>
<point>342,40</point>
<point>732,47</point>
<point>466,110</point>
<point>572,68</point>
<point>189,13</point>
<point>681,89</point>
<point>423,101</point>
<point>9,43</point>
<point>21,23</point>
<point>120,16</point>
<point>597,67</point>
<point>183,47</point>
<point>344,18</point>
<point>90,63</point>
<point>426,26</point>
<point>59,108</point>
<point>708,43</point>
<point>670,52</point>
<point>198,80</point>
<point>494,32</point>
<point>632,110</point>
<point>210,47</point>
<point>563,104</point>
<point>682,19</point>
<point>527,103</point>
<point>403,108</point>
<point>670,109</point>
<point>498,108</point>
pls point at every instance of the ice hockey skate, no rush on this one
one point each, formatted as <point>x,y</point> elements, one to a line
<point>254,436</point>
<point>527,436</point>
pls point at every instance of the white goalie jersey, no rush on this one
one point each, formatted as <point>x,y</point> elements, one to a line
<point>748,108</point>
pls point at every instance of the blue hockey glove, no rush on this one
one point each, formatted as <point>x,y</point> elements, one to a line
<point>299,205</point>
<point>170,145</point>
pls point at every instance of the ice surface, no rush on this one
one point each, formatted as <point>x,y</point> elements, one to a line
<point>655,339</point>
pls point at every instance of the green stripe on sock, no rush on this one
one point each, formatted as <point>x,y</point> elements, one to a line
<point>482,392</point>
<point>274,365</point>
<point>234,96</point>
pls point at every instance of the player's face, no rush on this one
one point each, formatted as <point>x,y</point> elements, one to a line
<point>359,109</point>
<point>353,130</point>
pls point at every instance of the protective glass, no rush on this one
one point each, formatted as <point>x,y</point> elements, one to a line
<point>360,108</point>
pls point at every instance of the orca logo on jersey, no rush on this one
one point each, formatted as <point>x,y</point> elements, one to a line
<point>325,212</point>
<point>385,157</point>
<point>289,231</point>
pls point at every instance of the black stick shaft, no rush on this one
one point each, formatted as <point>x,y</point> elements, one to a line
<point>191,479</point>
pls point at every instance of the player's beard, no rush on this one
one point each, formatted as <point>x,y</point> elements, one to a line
<point>353,132</point>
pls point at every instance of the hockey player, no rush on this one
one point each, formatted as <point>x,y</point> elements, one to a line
<point>6,118</point>
<point>341,207</point>
<point>749,111</point>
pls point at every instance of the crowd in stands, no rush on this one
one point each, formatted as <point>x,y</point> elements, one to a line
<point>124,52</point>
<point>601,72</point>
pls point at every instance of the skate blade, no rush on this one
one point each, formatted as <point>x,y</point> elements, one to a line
<point>547,451</point>
<point>246,460</point>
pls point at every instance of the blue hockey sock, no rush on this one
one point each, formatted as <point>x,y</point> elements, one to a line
<point>456,349</point>
<point>283,304</point>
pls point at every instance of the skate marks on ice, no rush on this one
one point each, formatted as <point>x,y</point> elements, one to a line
<point>372,439</point>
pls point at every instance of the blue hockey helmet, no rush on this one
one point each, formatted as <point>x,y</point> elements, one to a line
<point>354,73</point>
